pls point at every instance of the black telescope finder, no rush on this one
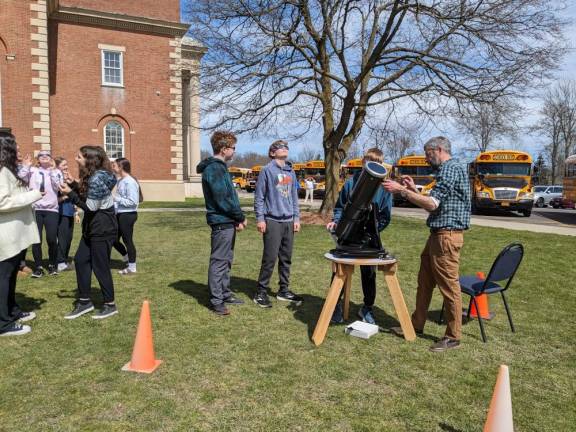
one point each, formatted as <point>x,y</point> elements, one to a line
<point>357,232</point>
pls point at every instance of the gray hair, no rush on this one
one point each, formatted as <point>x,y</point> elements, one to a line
<point>439,141</point>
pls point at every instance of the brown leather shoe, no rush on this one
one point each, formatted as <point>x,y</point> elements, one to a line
<point>445,344</point>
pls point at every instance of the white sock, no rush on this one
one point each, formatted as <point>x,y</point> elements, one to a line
<point>132,267</point>
<point>62,266</point>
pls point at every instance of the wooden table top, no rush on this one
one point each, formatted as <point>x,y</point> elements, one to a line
<point>359,261</point>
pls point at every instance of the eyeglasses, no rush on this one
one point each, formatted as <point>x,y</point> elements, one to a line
<point>43,154</point>
<point>232,148</point>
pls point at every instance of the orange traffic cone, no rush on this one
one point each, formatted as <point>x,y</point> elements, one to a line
<point>482,301</point>
<point>500,411</point>
<point>143,359</point>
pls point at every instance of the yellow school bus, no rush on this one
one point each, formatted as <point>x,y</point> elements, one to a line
<point>421,172</point>
<point>502,179</point>
<point>239,177</point>
<point>568,199</point>
<point>355,165</point>
<point>253,178</point>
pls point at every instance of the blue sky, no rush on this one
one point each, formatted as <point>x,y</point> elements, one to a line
<point>528,142</point>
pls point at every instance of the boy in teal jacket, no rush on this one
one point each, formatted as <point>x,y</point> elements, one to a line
<point>225,217</point>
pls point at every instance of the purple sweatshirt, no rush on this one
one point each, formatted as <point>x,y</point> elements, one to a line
<point>51,178</point>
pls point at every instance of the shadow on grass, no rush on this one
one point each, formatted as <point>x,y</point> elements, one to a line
<point>201,292</point>
<point>95,295</point>
<point>448,428</point>
<point>28,303</point>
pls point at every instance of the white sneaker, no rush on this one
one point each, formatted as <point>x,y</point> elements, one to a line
<point>127,271</point>
<point>27,316</point>
<point>16,329</point>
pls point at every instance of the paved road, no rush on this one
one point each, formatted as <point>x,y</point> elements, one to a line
<point>544,220</point>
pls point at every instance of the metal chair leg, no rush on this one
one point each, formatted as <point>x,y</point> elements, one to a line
<point>480,320</point>
<point>508,312</point>
<point>469,309</point>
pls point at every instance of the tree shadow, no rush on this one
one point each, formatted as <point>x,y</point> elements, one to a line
<point>117,264</point>
<point>29,303</point>
<point>448,428</point>
<point>201,292</point>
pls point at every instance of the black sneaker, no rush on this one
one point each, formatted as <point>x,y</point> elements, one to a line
<point>79,310</point>
<point>52,270</point>
<point>220,309</point>
<point>107,311</point>
<point>289,296</point>
<point>445,344</point>
<point>16,329</point>
<point>38,273</point>
<point>262,300</point>
<point>233,300</point>
<point>26,316</point>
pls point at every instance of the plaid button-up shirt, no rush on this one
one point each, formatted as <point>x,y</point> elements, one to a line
<point>452,192</point>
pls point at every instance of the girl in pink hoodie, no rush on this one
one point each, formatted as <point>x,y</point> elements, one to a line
<point>44,178</point>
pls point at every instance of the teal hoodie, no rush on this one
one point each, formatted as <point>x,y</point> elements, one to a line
<point>222,204</point>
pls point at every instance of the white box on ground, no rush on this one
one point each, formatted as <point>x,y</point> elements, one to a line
<point>361,329</point>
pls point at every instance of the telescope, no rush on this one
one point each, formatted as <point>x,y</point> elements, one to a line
<point>357,232</point>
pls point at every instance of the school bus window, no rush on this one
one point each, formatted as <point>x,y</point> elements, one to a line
<point>521,169</point>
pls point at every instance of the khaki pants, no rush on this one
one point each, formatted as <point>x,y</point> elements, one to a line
<point>439,265</point>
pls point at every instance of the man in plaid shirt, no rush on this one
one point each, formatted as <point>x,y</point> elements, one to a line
<point>449,208</point>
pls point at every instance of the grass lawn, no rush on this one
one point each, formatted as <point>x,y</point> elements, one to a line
<point>188,203</point>
<point>257,370</point>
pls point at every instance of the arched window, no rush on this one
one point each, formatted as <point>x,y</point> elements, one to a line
<point>114,139</point>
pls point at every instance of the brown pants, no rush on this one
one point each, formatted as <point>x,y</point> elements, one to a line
<point>439,265</point>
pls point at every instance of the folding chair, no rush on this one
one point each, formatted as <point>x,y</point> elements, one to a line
<point>503,269</point>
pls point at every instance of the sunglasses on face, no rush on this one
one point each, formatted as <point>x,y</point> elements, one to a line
<point>43,155</point>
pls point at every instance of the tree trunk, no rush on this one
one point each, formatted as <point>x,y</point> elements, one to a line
<point>332,160</point>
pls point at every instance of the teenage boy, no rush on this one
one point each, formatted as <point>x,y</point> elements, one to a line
<point>225,217</point>
<point>278,218</point>
<point>383,203</point>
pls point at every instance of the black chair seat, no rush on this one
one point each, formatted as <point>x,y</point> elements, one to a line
<point>472,285</point>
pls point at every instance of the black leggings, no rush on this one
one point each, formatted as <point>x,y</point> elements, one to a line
<point>94,256</point>
<point>126,222</point>
<point>49,221</point>
<point>9,310</point>
<point>65,234</point>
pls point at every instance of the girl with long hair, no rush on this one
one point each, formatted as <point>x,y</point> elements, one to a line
<point>126,200</point>
<point>19,231</point>
<point>67,213</point>
<point>44,177</point>
<point>93,194</point>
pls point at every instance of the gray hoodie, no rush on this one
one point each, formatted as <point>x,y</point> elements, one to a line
<point>276,195</point>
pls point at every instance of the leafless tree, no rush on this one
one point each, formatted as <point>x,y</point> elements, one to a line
<point>397,138</point>
<point>308,152</point>
<point>298,64</point>
<point>485,124</point>
<point>558,125</point>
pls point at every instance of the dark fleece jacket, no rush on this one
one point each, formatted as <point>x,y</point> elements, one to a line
<point>222,204</point>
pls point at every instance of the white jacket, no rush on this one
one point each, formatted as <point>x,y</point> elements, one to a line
<point>18,229</point>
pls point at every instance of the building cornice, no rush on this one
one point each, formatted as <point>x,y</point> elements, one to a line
<point>116,21</point>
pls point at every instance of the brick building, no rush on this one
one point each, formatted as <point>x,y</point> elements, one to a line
<point>120,74</point>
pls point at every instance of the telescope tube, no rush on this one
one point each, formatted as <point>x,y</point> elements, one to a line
<point>353,216</point>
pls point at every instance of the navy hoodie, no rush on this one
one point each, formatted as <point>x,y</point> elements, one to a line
<point>222,204</point>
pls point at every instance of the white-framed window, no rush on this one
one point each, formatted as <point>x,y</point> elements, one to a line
<point>114,139</point>
<point>112,68</point>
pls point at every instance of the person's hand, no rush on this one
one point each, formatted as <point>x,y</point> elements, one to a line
<point>409,183</point>
<point>65,188</point>
<point>261,227</point>
<point>392,186</point>
<point>240,227</point>
<point>27,161</point>
<point>331,226</point>
<point>245,223</point>
<point>296,227</point>
<point>77,218</point>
